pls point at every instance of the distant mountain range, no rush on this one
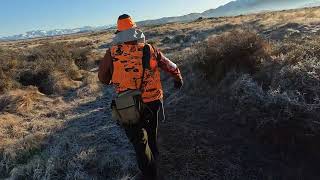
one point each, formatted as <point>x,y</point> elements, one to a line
<point>231,9</point>
<point>55,32</point>
<point>238,7</point>
<point>313,4</point>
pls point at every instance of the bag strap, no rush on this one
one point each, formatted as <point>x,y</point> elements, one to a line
<point>145,61</point>
<point>142,79</point>
<point>147,55</point>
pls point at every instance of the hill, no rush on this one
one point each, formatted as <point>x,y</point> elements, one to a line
<point>234,8</point>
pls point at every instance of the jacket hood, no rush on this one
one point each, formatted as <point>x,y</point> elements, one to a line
<point>129,35</point>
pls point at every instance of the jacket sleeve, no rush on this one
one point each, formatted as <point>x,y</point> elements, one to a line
<point>168,66</point>
<point>105,69</point>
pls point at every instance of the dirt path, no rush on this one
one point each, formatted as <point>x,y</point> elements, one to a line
<point>91,145</point>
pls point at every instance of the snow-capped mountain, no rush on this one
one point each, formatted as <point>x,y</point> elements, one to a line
<point>238,7</point>
<point>313,4</point>
<point>55,32</point>
<point>252,6</point>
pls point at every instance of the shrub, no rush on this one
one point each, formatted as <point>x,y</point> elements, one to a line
<point>19,101</point>
<point>298,72</point>
<point>274,89</point>
<point>44,67</point>
<point>6,82</point>
<point>281,100</point>
<point>8,62</point>
<point>238,50</point>
<point>39,79</point>
<point>277,117</point>
<point>80,57</point>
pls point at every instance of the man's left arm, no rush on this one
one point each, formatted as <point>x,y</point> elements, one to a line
<point>171,68</point>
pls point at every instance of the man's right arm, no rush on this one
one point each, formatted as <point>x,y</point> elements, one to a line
<point>105,69</point>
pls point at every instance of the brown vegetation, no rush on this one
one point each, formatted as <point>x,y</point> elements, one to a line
<point>53,68</point>
<point>28,116</point>
<point>238,50</point>
<point>252,93</point>
<point>279,97</point>
<point>22,131</point>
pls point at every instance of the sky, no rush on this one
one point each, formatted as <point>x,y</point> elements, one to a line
<point>19,16</point>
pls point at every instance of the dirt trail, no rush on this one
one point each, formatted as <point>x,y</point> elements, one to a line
<point>91,145</point>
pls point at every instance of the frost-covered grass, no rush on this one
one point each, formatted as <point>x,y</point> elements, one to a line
<point>275,87</point>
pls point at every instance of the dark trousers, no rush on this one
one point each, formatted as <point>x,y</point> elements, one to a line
<point>143,136</point>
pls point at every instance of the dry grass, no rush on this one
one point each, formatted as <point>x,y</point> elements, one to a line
<point>256,107</point>
<point>29,117</point>
<point>53,68</point>
<point>91,86</point>
<point>19,101</point>
<point>280,97</point>
<point>22,140</point>
<point>22,133</point>
<point>238,50</point>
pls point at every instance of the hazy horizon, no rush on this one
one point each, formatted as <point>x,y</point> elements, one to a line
<point>17,17</point>
<point>44,15</point>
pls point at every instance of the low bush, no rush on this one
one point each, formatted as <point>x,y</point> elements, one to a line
<point>19,101</point>
<point>274,88</point>
<point>44,66</point>
<point>8,62</point>
<point>238,50</point>
<point>276,116</point>
<point>80,56</point>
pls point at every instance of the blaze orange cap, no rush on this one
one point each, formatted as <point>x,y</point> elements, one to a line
<point>125,22</point>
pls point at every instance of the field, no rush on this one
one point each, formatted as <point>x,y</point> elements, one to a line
<point>250,107</point>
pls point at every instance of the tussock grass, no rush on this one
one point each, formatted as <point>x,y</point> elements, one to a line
<point>91,86</point>
<point>19,101</point>
<point>53,67</point>
<point>253,93</point>
<point>238,50</point>
<point>28,117</point>
<point>278,96</point>
<point>22,141</point>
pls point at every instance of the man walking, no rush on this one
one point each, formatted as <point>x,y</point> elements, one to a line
<point>132,65</point>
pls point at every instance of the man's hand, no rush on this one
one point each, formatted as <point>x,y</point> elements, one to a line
<point>178,84</point>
